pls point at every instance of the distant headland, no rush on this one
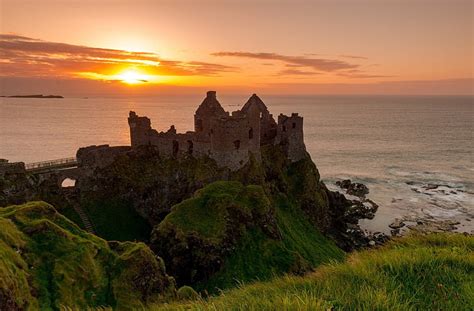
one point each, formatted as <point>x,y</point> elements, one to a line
<point>34,96</point>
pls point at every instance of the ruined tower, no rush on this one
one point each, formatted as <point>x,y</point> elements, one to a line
<point>290,136</point>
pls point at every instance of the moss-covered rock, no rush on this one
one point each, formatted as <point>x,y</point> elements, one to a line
<point>48,262</point>
<point>195,237</point>
<point>228,232</point>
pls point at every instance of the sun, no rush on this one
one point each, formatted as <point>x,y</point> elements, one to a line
<point>132,77</point>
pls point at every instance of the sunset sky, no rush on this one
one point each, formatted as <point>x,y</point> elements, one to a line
<point>281,47</point>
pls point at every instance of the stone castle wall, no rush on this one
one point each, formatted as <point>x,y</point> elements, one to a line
<point>290,136</point>
<point>227,138</point>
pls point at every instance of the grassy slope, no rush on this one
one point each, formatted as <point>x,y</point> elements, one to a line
<point>46,261</point>
<point>434,272</point>
<point>257,256</point>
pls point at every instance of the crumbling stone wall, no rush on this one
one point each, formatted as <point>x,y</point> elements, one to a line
<point>227,138</point>
<point>290,136</point>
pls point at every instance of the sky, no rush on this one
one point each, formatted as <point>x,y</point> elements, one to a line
<point>276,47</point>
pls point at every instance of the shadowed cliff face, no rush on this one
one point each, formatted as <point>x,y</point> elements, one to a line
<point>153,184</point>
<point>140,181</point>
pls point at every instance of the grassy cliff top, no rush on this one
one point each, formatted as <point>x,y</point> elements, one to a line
<point>433,272</point>
<point>229,233</point>
<point>47,262</point>
<point>207,211</point>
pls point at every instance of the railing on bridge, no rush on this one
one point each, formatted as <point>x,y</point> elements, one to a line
<point>51,164</point>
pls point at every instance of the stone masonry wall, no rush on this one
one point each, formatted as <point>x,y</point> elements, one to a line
<point>229,139</point>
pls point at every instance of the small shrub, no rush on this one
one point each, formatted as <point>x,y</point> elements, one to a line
<point>187,293</point>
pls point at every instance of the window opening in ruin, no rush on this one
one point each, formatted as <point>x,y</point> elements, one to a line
<point>198,125</point>
<point>190,147</point>
<point>175,148</point>
<point>251,133</point>
<point>284,128</point>
<point>294,125</point>
<point>68,183</point>
<point>237,144</point>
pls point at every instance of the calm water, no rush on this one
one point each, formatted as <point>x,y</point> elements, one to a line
<point>383,141</point>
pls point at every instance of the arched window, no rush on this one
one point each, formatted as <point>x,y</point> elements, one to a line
<point>237,144</point>
<point>190,147</point>
<point>251,133</point>
<point>284,128</point>
<point>294,125</point>
<point>175,148</point>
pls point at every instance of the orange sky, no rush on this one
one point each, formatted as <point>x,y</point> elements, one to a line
<point>337,46</point>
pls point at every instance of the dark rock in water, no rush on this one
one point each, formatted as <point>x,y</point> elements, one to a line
<point>344,184</point>
<point>355,189</point>
<point>397,224</point>
<point>35,96</point>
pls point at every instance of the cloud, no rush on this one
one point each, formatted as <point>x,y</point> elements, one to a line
<point>297,72</point>
<point>356,73</point>
<point>23,56</point>
<point>353,56</point>
<point>318,64</point>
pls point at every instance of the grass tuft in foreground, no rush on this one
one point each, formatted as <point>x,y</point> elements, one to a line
<point>433,272</point>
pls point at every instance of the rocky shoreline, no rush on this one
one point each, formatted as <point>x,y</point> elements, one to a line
<point>424,224</point>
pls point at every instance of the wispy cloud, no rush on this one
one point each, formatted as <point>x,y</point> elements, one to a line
<point>317,64</point>
<point>356,73</point>
<point>297,72</point>
<point>24,56</point>
<point>353,56</point>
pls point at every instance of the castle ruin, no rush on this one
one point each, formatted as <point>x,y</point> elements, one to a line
<point>228,138</point>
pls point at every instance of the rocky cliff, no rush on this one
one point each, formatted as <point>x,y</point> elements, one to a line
<point>212,226</point>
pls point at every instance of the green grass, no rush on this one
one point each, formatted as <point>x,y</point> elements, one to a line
<point>258,257</point>
<point>434,272</point>
<point>47,261</point>
<point>206,212</point>
<point>265,238</point>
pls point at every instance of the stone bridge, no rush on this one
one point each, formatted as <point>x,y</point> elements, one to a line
<point>59,169</point>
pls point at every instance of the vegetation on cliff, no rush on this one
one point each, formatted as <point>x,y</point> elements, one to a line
<point>433,272</point>
<point>229,233</point>
<point>47,262</point>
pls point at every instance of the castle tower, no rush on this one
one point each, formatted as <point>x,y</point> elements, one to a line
<point>206,114</point>
<point>268,126</point>
<point>140,128</point>
<point>290,136</point>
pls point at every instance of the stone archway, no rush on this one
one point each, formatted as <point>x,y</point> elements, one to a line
<point>68,182</point>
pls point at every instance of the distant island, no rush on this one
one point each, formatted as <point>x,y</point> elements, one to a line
<point>34,96</point>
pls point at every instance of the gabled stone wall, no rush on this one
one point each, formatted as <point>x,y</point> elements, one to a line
<point>227,138</point>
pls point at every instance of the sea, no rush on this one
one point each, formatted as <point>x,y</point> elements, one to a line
<point>415,153</point>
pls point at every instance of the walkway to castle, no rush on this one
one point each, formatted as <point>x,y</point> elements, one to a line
<point>51,165</point>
